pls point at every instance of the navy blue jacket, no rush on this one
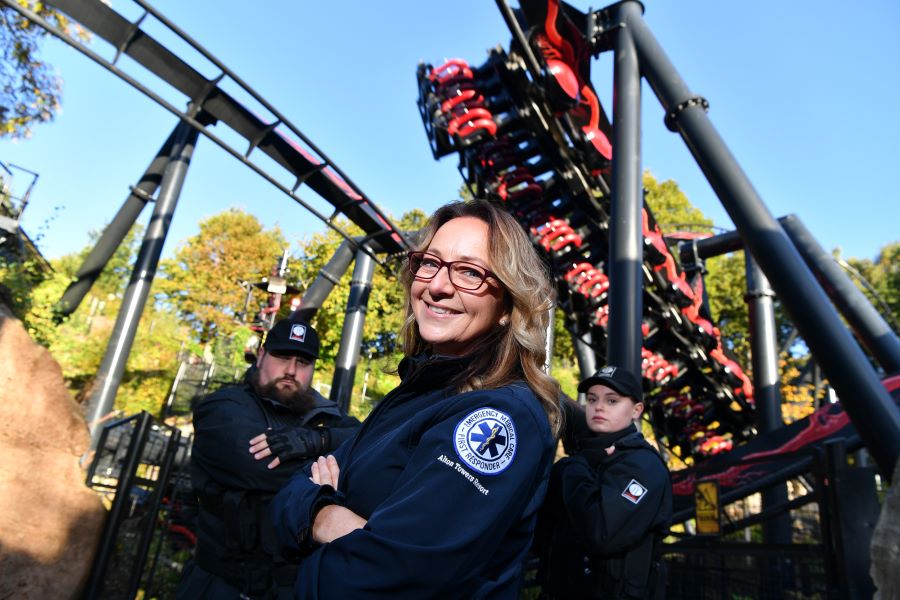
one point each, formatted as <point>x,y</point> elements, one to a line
<point>236,547</point>
<point>450,484</point>
<point>602,520</point>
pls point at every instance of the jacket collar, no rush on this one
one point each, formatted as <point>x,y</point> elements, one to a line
<point>321,405</point>
<point>437,365</point>
<point>604,440</point>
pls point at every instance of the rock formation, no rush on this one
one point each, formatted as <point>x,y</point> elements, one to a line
<point>50,522</point>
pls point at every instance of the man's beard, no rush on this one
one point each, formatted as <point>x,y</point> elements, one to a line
<point>298,400</point>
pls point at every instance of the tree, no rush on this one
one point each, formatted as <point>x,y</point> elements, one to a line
<point>29,90</point>
<point>80,341</point>
<point>671,207</point>
<point>883,275</point>
<point>726,286</point>
<point>202,280</point>
<point>385,306</point>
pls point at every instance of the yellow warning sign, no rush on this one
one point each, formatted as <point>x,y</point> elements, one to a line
<point>706,499</point>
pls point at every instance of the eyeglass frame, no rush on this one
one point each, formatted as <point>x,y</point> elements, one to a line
<point>449,265</point>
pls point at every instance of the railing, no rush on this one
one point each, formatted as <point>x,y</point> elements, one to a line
<point>149,508</point>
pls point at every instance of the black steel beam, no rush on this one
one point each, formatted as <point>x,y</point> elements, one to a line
<point>867,403</point>
<point>324,282</point>
<point>319,173</point>
<point>352,333</point>
<point>116,231</point>
<point>112,367</point>
<point>626,239</point>
<point>871,328</point>
<point>730,241</point>
<point>584,353</point>
<point>766,387</point>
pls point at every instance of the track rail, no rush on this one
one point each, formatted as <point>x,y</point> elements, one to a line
<point>208,104</point>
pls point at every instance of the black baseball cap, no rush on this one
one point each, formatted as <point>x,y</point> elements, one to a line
<point>292,337</point>
<point>620,379</point>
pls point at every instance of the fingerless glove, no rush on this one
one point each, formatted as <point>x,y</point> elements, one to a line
<point>289,443</point>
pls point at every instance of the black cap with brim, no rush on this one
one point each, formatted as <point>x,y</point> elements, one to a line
<point>292,337</point>
<point>621,380</point>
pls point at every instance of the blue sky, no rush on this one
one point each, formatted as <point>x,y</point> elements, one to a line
<point>804,94</point>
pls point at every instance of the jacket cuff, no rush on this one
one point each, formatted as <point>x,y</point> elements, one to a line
<point>325,496</point>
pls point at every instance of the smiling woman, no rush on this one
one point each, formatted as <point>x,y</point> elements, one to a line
<point>456,307</point>
<point>437,495</point>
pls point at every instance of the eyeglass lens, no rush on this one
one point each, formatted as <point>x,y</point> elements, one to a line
<point>462,275</point>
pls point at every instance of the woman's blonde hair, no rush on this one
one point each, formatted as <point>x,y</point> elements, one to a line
<point>513,351</point>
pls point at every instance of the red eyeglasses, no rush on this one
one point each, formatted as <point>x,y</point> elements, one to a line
<point>464,276</point>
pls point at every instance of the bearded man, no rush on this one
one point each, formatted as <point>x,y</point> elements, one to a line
<point>249,440</point>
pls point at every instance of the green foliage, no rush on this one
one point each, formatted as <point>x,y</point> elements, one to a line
<point>197,300</point>
<point>725,280</point>
<point>883,274</point>
<point>152,363</point>
<point>563,349</point>
<point>671,207</point>
<point>202,281</point>
<point>79,342</point>
<point>385,307</point>
<point>726,286</point>
<point>568,377</point>
<point>29,90</point>
<point>17,280</point>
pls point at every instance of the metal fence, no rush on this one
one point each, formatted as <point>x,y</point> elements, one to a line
<point>746,570</point>
<point>141,466</point>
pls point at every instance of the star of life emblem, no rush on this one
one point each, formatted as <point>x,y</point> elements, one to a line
<point>634,492</point>
<point>485,441</point>
<point>298,333</point>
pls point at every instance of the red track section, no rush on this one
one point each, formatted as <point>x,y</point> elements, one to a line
<point>540,146</point>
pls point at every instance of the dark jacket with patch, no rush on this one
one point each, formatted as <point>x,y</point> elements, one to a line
<point>235,539</point>
<point>450,484</point>
<point>603,517</point>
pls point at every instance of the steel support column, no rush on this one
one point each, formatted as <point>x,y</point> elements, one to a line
<point>626,242</point>
<point>116,231</point>
<point>352,333</point>
<point>551,338</point>
<point>766,388</point>
<point>871,328</point>
<point>584,354</point>
<point>109,376</point>
<point>867,403</point>
<point>324,282</point>
<point>865,321</point>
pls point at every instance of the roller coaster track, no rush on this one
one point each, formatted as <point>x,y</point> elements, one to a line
<point>208,104</point>
<point>531,134</point>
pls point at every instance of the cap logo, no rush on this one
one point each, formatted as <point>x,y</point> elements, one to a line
<point>298,333</point>
<point>607,371</point>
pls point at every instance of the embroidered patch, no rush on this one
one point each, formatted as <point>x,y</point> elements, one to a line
<point>634,491</point>
<point>486,441</point>
<point>298,332</point>
<point>608,371</point>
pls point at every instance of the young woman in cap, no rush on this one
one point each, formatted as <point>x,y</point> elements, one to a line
<point>437,496</point>
<point>608,505</point>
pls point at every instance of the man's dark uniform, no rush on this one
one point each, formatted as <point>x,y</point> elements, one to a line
<point>236,553</point>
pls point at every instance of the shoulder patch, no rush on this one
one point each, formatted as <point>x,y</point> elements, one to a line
<point>485,440</point>
<point>634,492</point>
